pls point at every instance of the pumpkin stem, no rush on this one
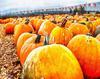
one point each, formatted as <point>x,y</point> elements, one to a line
<point>64,21</point>
<point>54,22</point>
<point>87,19</point>
<point>46,41</point>
<point>38,38</point>
<point>83,23</point>
<point>27,21</point>
<point>43,16</point>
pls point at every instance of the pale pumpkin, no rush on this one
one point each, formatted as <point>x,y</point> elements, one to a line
<point>51,62</point>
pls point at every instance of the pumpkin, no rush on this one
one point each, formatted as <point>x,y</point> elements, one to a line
<point>30,44</point>
<point>60,35</point>
<point>98,36</point>
<point>22,38</point>
<point>51,62</point>
<point>77,28</point>
<point>36,23</point>
<point>4,21</point>
<point>68,23</point>
<point>46,28</point>
<point>21,28</point>
<point>87,51</point>
<point>90,26</point>
<point>9,28</point>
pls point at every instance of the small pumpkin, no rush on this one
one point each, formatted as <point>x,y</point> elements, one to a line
<point>9,28</point>
<point>21,28</point>
<point>60,35</point>
<point>30,44</point>
<point>77,28</point>
<point>51,62</point>
<point>87,51</point>
<point>4,21</point>
<point>90,26</point>
<point>36,23</point>
<point>46,28</point>
<point>22,38</point>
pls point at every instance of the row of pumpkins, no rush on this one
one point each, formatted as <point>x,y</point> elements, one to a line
<point>63,47</point>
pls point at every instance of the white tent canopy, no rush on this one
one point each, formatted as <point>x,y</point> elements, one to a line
<point>6,4</point>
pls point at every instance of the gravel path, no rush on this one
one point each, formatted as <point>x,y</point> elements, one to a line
<point>10,67</point>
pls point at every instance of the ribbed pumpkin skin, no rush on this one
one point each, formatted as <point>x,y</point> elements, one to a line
<point>51,62</point>
<point>60,35</point>
<point>77,28</point>
<point>21,28</point>
<point>46,28</point>
<point>36,23</point>
<point>28,46</point>
<point>22,38</point>
<point>87,51</point>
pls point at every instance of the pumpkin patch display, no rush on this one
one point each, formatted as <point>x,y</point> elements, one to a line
<point>30,44</point>
<point>22,38</point>
<point>46,27</point>
<point>51,62</point>
<point>87,51</point>
<point>77,28</point>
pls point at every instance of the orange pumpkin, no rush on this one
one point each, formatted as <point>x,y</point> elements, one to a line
<point>36,23</point>
<point>30,44</point>
<point>22,38</point>
<point>77,28</point>
<point>87,51</point>
<point>21,28</point>
<point>9,28</point>
<point>98,37</point>
<point>46,28</point>
<point>4,21</point>
<point>60,35</point>
<point>51,62</point>
<point>90,26</point>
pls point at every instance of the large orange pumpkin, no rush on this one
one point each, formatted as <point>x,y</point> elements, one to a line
<point>21,28</point>
<point>87,51</point>
<point>51,62</point>
<point>77,28</point>
<point>46,28</point>
<point>30,44</point>
<point>22,38</point>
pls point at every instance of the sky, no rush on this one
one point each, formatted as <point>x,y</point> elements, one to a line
<point>5,4</point>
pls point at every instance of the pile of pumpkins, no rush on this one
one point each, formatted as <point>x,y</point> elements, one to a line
<point>57,46</point>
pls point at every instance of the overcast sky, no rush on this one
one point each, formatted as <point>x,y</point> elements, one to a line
<point>39,3</point>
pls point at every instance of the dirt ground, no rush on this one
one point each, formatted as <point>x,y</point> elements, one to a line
<point>10,67</point>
